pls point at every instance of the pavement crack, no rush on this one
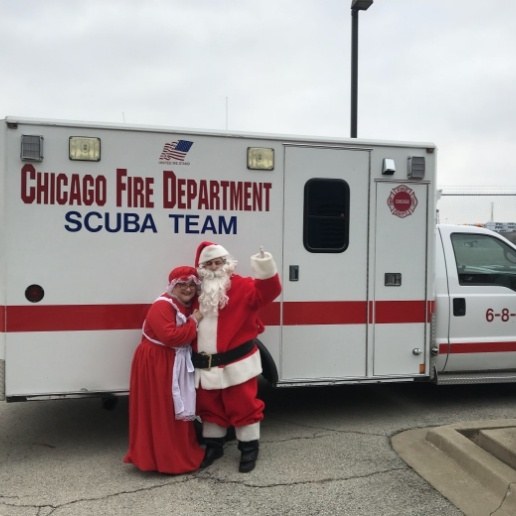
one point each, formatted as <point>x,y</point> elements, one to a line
<point>508,493</point>
<point>318,428</point>
<point>301,482</point>
<point>41,510</point>
<point>48,510</point>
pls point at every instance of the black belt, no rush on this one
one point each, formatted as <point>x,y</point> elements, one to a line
<point>206,361</point>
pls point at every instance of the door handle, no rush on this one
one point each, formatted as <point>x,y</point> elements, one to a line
<point>293,272</point>
<point>459,306</point>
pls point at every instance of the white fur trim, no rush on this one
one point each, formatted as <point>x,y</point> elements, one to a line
<point>233,374</point>
<point>264,267</point>
<point>207,334</point>
<point>211,252</point>
<point>213,430</point>
<point>248,432</point>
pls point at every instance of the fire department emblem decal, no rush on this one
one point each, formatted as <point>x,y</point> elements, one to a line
<point>402,201</point>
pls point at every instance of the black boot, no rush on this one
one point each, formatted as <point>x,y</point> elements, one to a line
<point>249,455</point>
<point>214,450</point>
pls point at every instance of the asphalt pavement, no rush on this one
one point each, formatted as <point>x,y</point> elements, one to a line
<point>324,451</point>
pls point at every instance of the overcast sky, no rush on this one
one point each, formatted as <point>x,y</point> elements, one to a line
<point>442,71</point>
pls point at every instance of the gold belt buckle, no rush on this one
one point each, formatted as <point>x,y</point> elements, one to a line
<point>209,359</point>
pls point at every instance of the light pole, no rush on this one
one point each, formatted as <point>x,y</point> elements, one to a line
<point>356,5</point>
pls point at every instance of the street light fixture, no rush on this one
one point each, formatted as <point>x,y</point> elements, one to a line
<point>356,5</point>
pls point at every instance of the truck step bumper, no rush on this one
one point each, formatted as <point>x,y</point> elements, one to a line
<point>476,377</point>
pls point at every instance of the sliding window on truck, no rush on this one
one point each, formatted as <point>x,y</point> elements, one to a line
<point>484,260</point>
<point>326,216</point>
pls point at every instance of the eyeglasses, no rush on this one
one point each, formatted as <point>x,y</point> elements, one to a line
<point>184,286</point>
<point>217,262</point>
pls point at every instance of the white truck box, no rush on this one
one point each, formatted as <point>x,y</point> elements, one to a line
<point>94,216</point>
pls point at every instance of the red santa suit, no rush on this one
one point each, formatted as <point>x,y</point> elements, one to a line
<point>227,393</point>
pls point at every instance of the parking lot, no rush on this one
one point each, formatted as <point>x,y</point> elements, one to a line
<point>324,451</point>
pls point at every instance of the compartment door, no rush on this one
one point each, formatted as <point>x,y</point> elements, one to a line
<point>400,327</point>
<point>324,332</point>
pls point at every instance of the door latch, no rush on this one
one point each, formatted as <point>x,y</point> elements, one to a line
<point>293,273</point>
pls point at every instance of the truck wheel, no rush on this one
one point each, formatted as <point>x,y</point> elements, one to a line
<point>270,372</point>
<point>109,402</point>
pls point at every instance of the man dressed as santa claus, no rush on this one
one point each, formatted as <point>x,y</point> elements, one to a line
<point>226,358</point>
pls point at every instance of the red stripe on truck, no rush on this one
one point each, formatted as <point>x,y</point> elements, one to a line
<point>324,312</point>
<point>389,312</point>
<point>27,318</point>
<point>74,317</point>
<point>477,347</point>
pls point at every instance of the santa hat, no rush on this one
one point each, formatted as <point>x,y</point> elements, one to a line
<point>208,251</point>
<point>183,274</point>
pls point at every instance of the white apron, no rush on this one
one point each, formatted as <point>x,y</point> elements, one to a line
<point>183,384</point>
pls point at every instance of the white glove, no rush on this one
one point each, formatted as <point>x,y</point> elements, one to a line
<point>263,265</point>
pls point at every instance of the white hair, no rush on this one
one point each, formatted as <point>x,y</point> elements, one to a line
<point>185,279</point>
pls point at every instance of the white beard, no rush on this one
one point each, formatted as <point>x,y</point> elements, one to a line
<point>214,287</point>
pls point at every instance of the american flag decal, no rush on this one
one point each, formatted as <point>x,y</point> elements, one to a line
<point>175,151</point>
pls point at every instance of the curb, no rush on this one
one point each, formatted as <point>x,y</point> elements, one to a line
<point>469,463</point>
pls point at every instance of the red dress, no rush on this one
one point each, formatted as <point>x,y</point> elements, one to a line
<point>157,441</point>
